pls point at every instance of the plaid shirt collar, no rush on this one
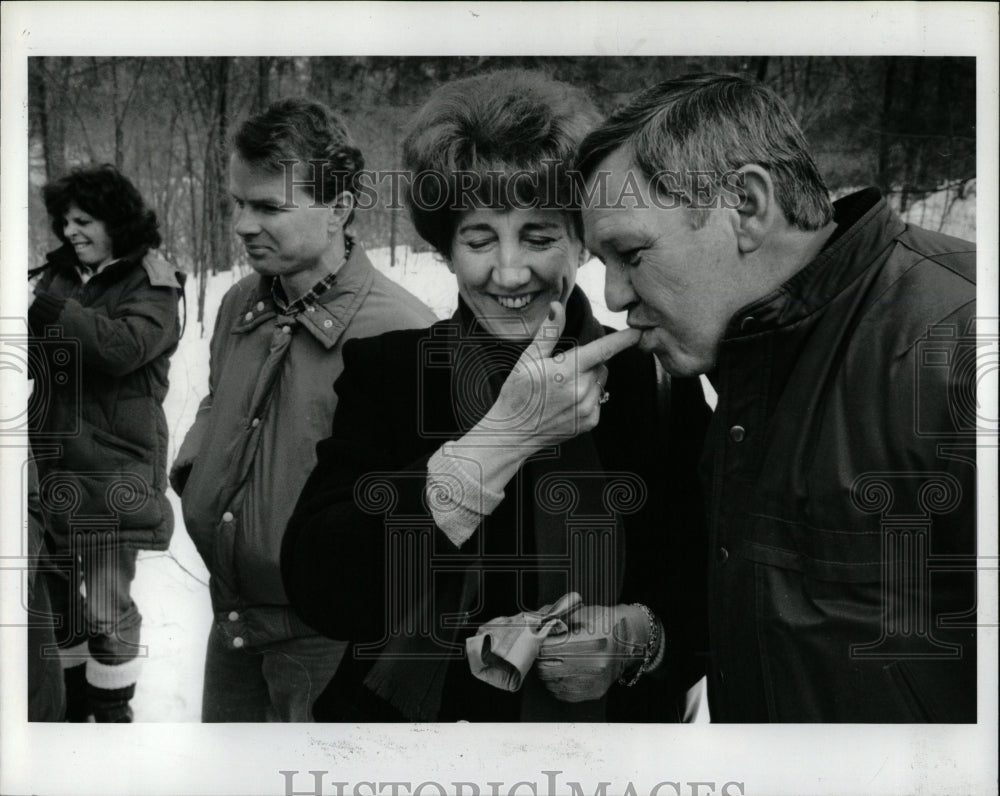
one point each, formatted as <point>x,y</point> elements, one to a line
<point>312,295</point>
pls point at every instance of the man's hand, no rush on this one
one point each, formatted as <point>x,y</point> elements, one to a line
<point>602,641</point>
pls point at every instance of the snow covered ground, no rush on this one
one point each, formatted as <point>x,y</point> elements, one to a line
<point>946,211</point>
<point>171,588</point>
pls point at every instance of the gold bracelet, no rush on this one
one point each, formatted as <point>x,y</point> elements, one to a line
<point>652,647</point>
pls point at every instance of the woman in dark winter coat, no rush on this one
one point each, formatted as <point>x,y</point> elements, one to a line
<point>495,521</point>
<point>104,318</point>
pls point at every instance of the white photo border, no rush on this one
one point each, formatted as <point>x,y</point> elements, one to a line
<point>235,759</point>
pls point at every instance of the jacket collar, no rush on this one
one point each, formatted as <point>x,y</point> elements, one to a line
<point>327,318</point>
<point>160,272</point>
<point>866,226</point>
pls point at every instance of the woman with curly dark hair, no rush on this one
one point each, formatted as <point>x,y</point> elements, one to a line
<point>104,318</point>
<point>101,194</point>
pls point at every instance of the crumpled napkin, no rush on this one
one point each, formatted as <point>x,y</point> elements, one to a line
<point>503,650</point>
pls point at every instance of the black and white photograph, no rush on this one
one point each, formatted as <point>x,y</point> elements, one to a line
<point>496,399</point>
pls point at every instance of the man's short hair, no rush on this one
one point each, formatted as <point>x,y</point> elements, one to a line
<point>695,130</point>
<point>510,134</point>
<point>302,130</point>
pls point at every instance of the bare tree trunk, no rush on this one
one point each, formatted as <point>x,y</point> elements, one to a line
<point>197,239</point>
<point>51,121</point>
<point>263,78</point>
<point>392,215</point>
<point>206,90</point>
<point>163,188</point>
<point>760,70</point>
<point>119,107</point>
<point>215,171</point>
<point>119,132</point>
<point>392,237</point>
<point>62,91</point>
<point>915,173</point>
<point>202,288</point>
<point>883,179</point>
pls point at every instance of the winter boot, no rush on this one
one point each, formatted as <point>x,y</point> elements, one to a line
<point>111,705</point>
<point>77,704</point>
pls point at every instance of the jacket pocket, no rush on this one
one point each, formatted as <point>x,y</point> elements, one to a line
<point>838,618</point>
<point>118,445</point>
<point>111,478</point>
<point>817,600</point>
<point>827,554</point>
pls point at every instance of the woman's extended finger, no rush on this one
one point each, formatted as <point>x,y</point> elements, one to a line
<point>601,350</point>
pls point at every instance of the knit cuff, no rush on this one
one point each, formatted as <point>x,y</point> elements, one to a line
<point>109,676</point>
<point>45,309</point>
<point>457,498</point>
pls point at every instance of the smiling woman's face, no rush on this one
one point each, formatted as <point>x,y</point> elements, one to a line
<point>88,236</point>
<point>510,264</point>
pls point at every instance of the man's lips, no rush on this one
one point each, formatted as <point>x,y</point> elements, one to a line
<point>641,326</point>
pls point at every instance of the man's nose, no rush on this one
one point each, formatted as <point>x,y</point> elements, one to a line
<point>69,228</point>
<point>619,294</point>
<point>511,270</point>
<point>245,222</point>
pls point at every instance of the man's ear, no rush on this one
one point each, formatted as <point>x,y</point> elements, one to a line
<point>758,209</point>
<point>340,211</point>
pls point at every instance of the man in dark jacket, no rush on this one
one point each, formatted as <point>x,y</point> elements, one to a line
<point>839,467</point>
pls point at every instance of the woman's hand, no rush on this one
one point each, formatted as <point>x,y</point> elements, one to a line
<point>545,400</point>
<point>602,642</point>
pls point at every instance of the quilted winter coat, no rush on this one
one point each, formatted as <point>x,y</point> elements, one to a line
<point>100,354</point>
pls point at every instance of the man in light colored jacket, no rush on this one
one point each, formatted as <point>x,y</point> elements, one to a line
<point>275,354</point>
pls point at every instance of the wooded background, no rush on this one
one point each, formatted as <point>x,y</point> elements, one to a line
<point>905,124</point>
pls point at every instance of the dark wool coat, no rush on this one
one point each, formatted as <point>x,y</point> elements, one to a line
<point>396,408</point>
<point>100,353</point>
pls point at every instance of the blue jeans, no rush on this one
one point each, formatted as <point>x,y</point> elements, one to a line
<point>107,618</point>
<point>272,682</point>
